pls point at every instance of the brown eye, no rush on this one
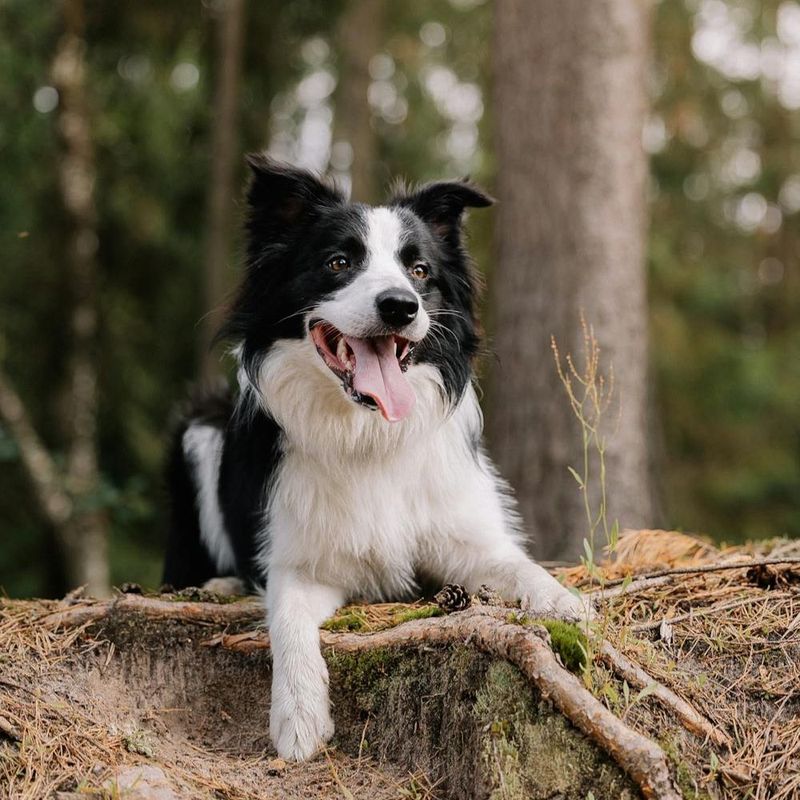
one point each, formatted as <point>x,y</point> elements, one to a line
<point>339,264</point>
<point>420,271</point>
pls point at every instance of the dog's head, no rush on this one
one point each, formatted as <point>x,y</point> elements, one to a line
<point>376,290</point>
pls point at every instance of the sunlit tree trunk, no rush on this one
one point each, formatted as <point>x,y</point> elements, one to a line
<point>68,494</point>
<point>85,534</point>
<point>359,38</point>
<point>569,105</point>
<point>224,154</point>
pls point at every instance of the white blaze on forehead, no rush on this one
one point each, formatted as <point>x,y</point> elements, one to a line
<point>384,237</point>
<point>383,234</point>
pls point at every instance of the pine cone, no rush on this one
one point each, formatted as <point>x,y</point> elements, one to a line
<point>453,597</point>
<point>489,597</point>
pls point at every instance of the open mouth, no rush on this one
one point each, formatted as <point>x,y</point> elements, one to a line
<point>372,370</point>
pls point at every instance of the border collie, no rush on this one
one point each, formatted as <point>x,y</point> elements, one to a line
<point>350,464</point>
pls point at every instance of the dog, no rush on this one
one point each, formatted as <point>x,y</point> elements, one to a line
<point>350,464</point>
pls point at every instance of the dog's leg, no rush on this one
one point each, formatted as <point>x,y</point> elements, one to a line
<point>300,719</point>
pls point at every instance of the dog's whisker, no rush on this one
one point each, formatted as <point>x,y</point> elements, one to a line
<point>299,313</point>
<point>444,329</point>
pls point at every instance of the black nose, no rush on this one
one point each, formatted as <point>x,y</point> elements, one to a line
<point>397,307</point>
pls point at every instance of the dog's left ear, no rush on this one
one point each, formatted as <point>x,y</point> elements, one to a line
<point>282,197</point>
<point>441,205</point>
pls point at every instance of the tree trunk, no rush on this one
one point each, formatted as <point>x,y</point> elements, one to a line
<point>570,103</point>
<point>84,535</point>
<point>359,39</point>
<point>224,149</point>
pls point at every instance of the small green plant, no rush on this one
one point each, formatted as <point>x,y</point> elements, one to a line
<point>632,699</point>
<point>138,741</point>
<point>590,393</point>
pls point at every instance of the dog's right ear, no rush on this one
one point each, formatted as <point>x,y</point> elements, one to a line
<point>282,197</point>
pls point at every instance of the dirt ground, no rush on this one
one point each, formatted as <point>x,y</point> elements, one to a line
<point>73,726</point>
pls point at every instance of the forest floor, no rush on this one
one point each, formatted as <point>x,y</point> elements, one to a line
<point>695,648</point>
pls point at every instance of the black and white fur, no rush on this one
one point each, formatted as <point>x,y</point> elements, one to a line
<point>300,484</point>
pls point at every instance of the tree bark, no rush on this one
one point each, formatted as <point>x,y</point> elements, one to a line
<point>570,103</point>
<point>359,39</point>
<point>84,534</point>
<point>224,149</point>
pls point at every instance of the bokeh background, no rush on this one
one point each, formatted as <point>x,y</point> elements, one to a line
<point>366,91</point>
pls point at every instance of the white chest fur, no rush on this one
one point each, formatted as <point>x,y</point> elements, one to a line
<point>357,500</point>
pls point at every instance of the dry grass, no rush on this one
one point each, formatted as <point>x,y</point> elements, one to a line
<point>727,641</point>
<point>59,740</point>
<point>50,741</point>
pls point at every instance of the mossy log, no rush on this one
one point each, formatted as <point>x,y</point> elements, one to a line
<point>474,700</point>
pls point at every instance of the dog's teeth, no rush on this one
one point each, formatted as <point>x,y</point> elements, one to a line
<point>341,352</point>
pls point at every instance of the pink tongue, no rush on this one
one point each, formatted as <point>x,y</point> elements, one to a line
<point>378,375</point>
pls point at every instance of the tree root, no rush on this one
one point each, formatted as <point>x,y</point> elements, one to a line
<point>86,612</point>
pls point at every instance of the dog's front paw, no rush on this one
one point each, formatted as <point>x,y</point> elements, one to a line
<point>299,729</point>
<point>558,603</point>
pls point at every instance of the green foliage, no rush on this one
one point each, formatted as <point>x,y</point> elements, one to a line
<point>723,292</point>
<point>724,282</point>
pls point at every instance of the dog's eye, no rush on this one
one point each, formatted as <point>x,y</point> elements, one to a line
<point>420,271</point>
<point>339,264</point>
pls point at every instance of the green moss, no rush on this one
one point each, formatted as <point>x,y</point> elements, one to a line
<point>193,594</point>
<point>570,642</point>
<point>355,619</point>
<point>531,753</point>
<point>425,612</point>
<point>566,639</point>
<point>350,621</point>
<point>363,674</point>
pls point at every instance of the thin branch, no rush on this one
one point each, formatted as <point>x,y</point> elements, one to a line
<point>44,475</point>
<point>605,593</point>
<point>662,573</point>
<point>691,718</point>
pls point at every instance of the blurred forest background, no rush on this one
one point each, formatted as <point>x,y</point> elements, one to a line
<point>116,198</point>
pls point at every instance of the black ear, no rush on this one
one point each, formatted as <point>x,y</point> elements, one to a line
<point>442,204</point>
<point>281,196</point>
